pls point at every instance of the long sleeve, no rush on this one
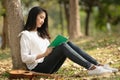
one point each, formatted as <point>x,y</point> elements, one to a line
<point>25,49</point>
<point>32,45</point>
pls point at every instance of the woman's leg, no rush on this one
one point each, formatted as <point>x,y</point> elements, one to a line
<point>83,54</point>
<point>54,61</point>
<point>75,57</point>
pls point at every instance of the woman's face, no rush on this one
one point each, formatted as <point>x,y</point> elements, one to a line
<point>40,19</point>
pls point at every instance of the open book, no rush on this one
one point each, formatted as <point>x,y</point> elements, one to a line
<point>58,40</point>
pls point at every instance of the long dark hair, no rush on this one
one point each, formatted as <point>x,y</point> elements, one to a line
<point>31,22</point>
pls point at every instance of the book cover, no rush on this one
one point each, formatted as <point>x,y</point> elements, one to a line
<point>58,40</point>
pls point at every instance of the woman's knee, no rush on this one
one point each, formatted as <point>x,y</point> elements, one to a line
<point>61,45</point>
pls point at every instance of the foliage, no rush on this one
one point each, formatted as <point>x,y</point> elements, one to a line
<point>108,12</point>
<point>1,9</point>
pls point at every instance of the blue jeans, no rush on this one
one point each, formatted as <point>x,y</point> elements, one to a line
<point>59,54</point>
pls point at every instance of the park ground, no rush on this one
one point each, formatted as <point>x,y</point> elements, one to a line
<point>105,49</point>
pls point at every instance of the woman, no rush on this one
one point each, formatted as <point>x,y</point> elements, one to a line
<point>38,57</point>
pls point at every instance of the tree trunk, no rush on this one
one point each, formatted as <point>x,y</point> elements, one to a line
<point>87,22</point>
<point>61,19</point>
<point>75,31</point>
<point>66,8</point>
<point>15,25</point>
<point>5,41</point>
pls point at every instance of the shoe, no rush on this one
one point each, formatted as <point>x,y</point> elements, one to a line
<point>98,71</point>
<point>106,66</point>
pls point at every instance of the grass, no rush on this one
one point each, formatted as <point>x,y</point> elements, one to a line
<point>105,49</point>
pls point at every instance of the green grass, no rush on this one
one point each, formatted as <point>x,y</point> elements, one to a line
<point>4,54</point>
<point>104,48</point>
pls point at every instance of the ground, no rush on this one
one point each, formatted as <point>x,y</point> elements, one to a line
<point>104,49</point>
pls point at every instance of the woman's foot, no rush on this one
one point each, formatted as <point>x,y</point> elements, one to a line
<point>106,66</point>
<point>98,70</point>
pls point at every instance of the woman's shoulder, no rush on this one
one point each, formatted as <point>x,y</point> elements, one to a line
<point>25,33</point>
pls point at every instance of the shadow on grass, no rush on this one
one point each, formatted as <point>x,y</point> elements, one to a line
<point>4,54</point>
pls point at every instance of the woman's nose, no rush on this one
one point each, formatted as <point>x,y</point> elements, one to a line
<point>42,20</point>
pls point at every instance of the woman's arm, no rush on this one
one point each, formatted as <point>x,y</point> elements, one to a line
<point>25,49</point>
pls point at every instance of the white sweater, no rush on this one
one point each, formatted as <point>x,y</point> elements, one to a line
<point>31,45</point>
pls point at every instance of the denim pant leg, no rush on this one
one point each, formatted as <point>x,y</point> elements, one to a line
<point>57,57</point>
<point>52,62</point>
<point>83,54</point>
<point>74,56</point>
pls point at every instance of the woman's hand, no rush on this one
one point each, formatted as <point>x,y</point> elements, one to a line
<point>48,51</point>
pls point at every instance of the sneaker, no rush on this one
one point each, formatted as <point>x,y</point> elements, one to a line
<point>98,71</point>
<point>106,66</point>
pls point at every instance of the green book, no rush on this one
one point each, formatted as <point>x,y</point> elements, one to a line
<point>58,40</point>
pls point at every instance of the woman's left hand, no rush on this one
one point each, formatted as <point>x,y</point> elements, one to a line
<point>48,51</point>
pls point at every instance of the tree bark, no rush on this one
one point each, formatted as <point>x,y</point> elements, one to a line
<point>75,31</point>
<point>66,8</point>
<point>5,41</point>
<point>88,12</point>
<point>15,26</point>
